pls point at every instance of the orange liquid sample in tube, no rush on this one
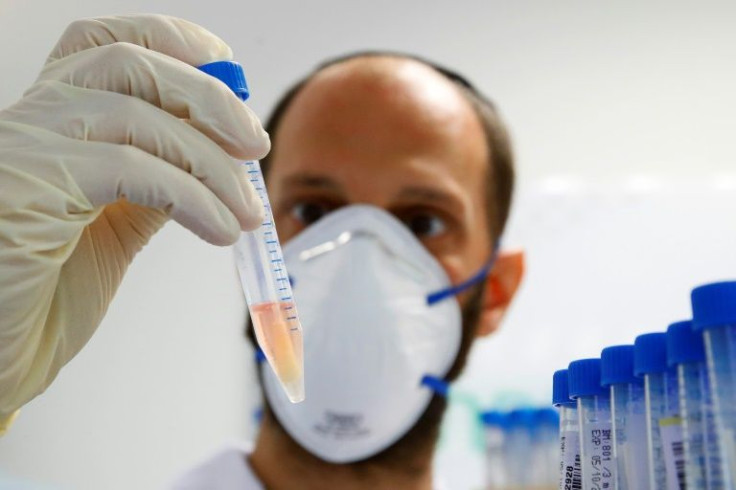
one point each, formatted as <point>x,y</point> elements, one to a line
<point>281,342</point>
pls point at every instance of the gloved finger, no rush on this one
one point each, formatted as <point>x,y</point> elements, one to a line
<point>180,89</point>
<point>107,172</point>
<point>95,115</point>
<point>171,36</point>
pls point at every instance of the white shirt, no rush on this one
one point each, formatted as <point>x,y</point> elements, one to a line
<point>228,469</point>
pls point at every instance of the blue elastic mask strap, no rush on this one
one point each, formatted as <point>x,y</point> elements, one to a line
<point>470,282</point>
<point>442,388</point>
<point>439,386</point>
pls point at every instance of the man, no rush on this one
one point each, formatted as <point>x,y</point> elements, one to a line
<point>398,134</point>
<point>364,145</point>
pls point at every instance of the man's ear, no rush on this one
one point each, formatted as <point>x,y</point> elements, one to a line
<point>501,285</point>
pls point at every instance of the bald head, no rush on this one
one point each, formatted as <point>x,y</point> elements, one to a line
<point>387,104</point>
<point>410,87</point>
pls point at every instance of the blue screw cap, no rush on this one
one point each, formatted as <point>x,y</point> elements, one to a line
<point>684,344</point>
<point>494,418</point>
<point>231,74</point>
<point>714,305</point>
<point>260,356</point>
<point>522,417</point>
<point>650,353</point>
<point>548,417</point>
<point>560,391</point>
<point>584,378</point>
<point>617,365</point>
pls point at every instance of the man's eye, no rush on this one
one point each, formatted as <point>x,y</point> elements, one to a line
<point>425,225</point>
<point>309,212</point>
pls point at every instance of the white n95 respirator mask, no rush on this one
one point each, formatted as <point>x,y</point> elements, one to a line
<point>364,287</point>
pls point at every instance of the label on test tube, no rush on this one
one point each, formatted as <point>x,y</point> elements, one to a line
<point>564,443</point>
<point>598,463</point>
<point>571,470</point>
<point>673,450</point>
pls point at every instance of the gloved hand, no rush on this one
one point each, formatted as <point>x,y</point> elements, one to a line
<point>119,133</point>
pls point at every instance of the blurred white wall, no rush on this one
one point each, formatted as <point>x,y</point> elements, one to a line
<point>623,117</point>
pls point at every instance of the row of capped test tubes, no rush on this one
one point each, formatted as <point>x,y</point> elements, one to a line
<point>659,414</point>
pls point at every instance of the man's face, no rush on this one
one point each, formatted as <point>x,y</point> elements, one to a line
<point>394,134</point>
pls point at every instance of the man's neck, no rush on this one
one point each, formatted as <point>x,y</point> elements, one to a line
<point>280,464</point>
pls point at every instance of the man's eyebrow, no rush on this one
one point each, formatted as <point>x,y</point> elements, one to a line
<point>312,181</point>
<point>427,194</point>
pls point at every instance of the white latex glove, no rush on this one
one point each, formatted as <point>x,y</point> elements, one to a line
<point>119,134</point>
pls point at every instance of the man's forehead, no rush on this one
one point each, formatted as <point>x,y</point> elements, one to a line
<point>379,103</point>
<point>377,70</point>
<point>403,83</point>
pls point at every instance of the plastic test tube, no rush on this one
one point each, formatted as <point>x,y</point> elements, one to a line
<point>594,419</point>
<point>664,430</point>
<point>545,438</point>
<point>569,433</point>
<point>686,352</point>
<point>494,425</point>
<point>628,416</point>
<point>518,447</point>
<point>714,314</point>
<point>263,272</point>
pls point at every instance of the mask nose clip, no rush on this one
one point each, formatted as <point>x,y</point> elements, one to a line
<point>349,236</point>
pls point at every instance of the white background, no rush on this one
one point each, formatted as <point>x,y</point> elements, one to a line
<point>623,117</point>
